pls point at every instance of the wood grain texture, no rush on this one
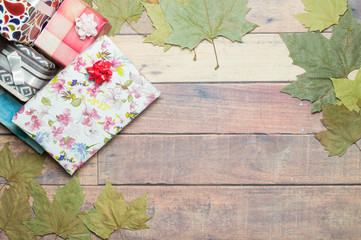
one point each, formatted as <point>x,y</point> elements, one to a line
<point>261,57</point>
<point>272,16</point>
<point>232,159</point>
<point>225,108</point>
<point>179,140</point>
<point>243,212</point>
<point>53,173</point>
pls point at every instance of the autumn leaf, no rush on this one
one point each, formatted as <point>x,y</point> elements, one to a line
<point>343,129</point>
<point>112,213</point>
<point>152,1</point>
<point>349,91</point>
<point>88,2</point>
<point>20,169</point>
<point>15,209</point>
<point>322,13</point>
<point>119,12</point>
<point>61,215</point>
<point>163,29</point>
<point>323,59</point>
<point>199,20</point>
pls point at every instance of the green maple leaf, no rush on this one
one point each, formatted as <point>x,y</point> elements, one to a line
<point>88,2</point>
<point>349,91</point>
<point>14,209</point>
<point>198,20</point>
<point>61,215</point>
<point>22,168</point>
<point>322,13</point>
<point>163,29</point>
<point>323,59</point>
<point>120,11</point>
<point>343,129</point>
<point>112,213</point>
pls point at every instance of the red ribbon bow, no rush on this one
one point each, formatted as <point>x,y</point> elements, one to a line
<point>100,72</point>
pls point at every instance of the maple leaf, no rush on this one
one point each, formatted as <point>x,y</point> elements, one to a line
<point>88,2</point>
<point>112,213</point>
<point>322,13</point>
<point>120,11</point>
<point>14,209</point>
<point>61,215</point>
<point>343,129</point>
<point>323,59</point>
<point>163,29</point>
<point>198,20</point>
<point>20,169</point>
<point>349,91</point>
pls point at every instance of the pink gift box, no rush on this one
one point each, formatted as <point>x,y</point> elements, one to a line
<point>60,41</point>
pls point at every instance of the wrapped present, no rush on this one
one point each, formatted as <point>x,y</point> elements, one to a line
<point>8,107</point>
<point>72,29</point>
<point>23,71</point>
<point>22,20</point>
<point>86,104</point>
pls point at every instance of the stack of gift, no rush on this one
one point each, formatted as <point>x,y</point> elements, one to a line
<point>79,109</point>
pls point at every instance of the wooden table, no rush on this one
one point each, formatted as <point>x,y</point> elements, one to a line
<point>223,154</point>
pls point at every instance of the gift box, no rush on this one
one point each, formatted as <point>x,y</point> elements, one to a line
<point>72,29</point>
<point>23,71</point>
<point>22,20</point>
<point>86,104</point>
<point>8,108</point>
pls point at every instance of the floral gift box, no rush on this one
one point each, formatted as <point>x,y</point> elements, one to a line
<point>8,108</point>
<point>86,104</point>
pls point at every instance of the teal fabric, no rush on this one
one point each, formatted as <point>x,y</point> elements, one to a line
<point>8,107</point>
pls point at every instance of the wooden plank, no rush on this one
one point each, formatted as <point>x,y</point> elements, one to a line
<point>4,130</point>
<point>220,159</point>
<point>261,57</point>
<point>243,212</point>
<point>53,173</point>
<point>226,108</point>
<point>278,15</point>
<point>272,16</point>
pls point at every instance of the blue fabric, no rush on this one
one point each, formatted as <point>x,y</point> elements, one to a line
<point>8,107</point>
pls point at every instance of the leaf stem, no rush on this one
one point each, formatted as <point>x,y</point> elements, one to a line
<point>135,30</point>
<point>347,28</point>
<point>121,234</point>
<point>195,55</point>
<point>56,236</point>
<point>215,53</point>
<point>4,185</point>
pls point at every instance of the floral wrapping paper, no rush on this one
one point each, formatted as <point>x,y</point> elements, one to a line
<point>72,117</point>
<point>22,22</point>
<point>8,108</point>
